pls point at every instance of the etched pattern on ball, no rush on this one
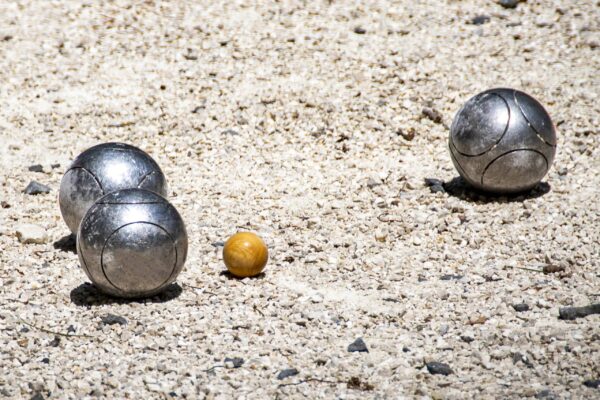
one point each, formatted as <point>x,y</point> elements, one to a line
<point>503,141</point>
<point>103,169</point>
<point>132,243</point>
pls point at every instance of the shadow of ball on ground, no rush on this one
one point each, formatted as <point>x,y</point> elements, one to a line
<point>458,187</point>
<point>88,295</point>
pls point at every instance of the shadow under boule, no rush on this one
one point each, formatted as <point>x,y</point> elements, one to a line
<point>88,295</point>
<point>67,243</point>
<point>459,188</point>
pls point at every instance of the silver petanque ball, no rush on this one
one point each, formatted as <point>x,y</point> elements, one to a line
<point>103,169</point>
<point>502,141</point>
<point>132,243</point>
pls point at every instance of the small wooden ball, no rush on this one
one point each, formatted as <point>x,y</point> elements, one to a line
<point>245,254</point>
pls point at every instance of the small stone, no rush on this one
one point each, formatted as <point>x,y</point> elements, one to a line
<point>438,368</point>
<point>358,346</point>
<point>509,3</point>
<point>235,362</point>
<point>405,349</point>
<point>46,360</point>
<point>230,132</point>
<point>111,319</point>
<point>480,19</point>
<point>521,307</point>
<point>467,338</point>
<point>407,135</point>
<point>53,166</point>
<point>286,373</point>
<point>4,204</point>
<point>546,394</point>
<point>523,358</point>
<point>592,383</point>
<point>36,168</point>
<point>37,396</point>
<point>570,313</point>
<point>36,188</point>
<point>55,342</point>
<point>71,329</point>
<point>30,233</point>
<point>433,114</point>
<point>449,277</point>
<point>360,30</point>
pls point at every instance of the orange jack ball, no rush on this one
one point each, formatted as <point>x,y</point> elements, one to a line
<point>245,254</point>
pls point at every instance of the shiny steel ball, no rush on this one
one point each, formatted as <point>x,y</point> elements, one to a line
<point>103,169</point>
<point>132,243</point>
<point>502,141</point>
<point>245,254</point>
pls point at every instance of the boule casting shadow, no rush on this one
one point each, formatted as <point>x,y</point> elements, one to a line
<point>502,141</point>
<point>132,243</point>
<point>103,169</point>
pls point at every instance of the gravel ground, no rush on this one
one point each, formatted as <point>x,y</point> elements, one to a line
<point>303,122</point>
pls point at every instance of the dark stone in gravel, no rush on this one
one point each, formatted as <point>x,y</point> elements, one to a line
<point>592,383</point>
<point>433,115</point>
<point>358,345</point>
<point>37,396</point>
<point>405,349</point>
<point>4,204</point>
<point>509,3</point>
<point>111,319</point>
<point>36,188</point>
<point>449,277</point>
<point>24,329</point>
<point>55,342</point>
<point>570,313</point>
<point>360,30</point>
<point>466,339</point>
<point>46,360</point>
<point>286,373</point>
<point>231,132</point>
<point>236,361</point>
<point>521,307</point>
<point>71,329</point>
<point>523,358</point>
<point>36,168</point>
<point>54,166</point>
<point>480,19</point>
<point>546,394</point>
<point>438,368</point>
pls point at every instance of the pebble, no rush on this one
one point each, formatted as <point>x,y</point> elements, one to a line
<point>35,188</point>
<point>570,313</point>
<point>234,362</point>
<point>55,342</point>
<point>30,233</point>
<point>467,338</point>
<point>433,114</point>
<point>37,396</point>
<point>480,19</point>
<point>286,373</point>
<point>522,307</point>
<point>546,394</point>
<point>358,345</point>
<point>449,277</point>
<point>438,368</point>
<point>360,30</point>
<point>509,3</point>
<point>592,383</point>
<point>36,168</point>
<point>111,319</point>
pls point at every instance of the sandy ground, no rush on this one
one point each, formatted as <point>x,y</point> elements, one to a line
<point>303,122</point>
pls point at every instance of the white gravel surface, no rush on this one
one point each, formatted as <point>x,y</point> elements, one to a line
<point>303,122</point>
